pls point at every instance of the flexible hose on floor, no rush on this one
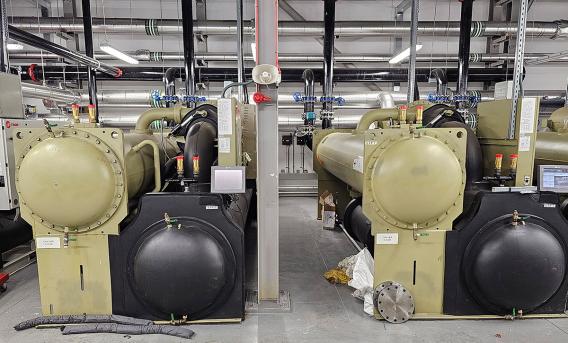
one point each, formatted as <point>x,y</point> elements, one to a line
<point>79,319</point>
<point>129,330</point>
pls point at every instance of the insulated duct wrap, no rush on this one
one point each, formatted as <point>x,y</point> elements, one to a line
<point>79,319</point>
<point>175,331</point>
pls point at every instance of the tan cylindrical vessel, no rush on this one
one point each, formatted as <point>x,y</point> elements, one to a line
<point>551,148</point>
<point>140,165</point>
<point>338,152</point>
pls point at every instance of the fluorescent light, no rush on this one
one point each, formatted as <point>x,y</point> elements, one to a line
<point>15,46</point>
<point>401,56</point>
<point>118,54</point>
<point>253,49</point>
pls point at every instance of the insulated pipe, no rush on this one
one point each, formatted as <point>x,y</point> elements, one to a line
<point>464,45</point>
<point>40,43</point>
<point>382,114</point>
<point>157,166</point>
<point>412,84</point>
<point>158,56</point>
<point>174,113</point>
<point>4,35</point>
<point>240,52</point>
<point>170,83</point>
<point>308,77</point>
<point>328,51</point>
<point>441,81</point>
<point>288,74</point>
<point>188,46</point>
<point>154,27</point>
<point>90,52</point>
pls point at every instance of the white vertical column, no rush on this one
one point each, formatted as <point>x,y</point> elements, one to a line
<point>267,155</point>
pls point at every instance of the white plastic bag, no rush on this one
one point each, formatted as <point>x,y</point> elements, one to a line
<point>362,279</point>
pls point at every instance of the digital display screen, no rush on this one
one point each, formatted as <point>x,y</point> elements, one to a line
<point>554,178</point>
<point>228,180</point>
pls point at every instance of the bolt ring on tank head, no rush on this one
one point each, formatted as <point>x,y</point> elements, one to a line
<point>386,176</point>
<point>73,140</point>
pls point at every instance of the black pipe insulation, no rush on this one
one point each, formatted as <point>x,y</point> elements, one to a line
<point>200,145</point>
<point>13,232</point>
<point>464,45</point>
<point>35,72</point>
<point>328,59</point>
<point>90,52</point>
<point>188,46</point>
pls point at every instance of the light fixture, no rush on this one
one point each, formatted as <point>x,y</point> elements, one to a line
<point>14,46</point>
<point>253,49</point>
<point>118,54</point>
<point>401,56</point>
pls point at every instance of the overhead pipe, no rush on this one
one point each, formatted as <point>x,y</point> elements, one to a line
<point>464,45</point>
<point>439,75</point>
<point>4,35</point>
<point>154,27</point>
<point>188,46</point>
<point>328,51</point>
<point>90,52</point>
<point>309,113</point>
<point>240,54</point>
<point>155,73</point>
<point>412,84</point>
<point>43,44</point>
<point>159,56</point>
<point>170,83</point>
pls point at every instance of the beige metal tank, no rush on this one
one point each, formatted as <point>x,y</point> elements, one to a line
<point>412,178</point>
<point>71,180</point>
<point>77,178</point>
<point>337,153</point>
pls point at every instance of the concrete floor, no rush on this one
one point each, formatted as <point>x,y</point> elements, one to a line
<point>320,312</point>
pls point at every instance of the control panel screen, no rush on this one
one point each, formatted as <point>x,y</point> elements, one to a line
<point>553,178</point>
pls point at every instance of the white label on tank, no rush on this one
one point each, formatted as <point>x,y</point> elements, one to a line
<point>48,242</point>
<point>211,207</point>
<point>386,238</point>
<point>224,117</point>
<point>525,143</point>
<point>547,205</point>
<point>358,164</point>
<point>528,109</point>
<point>224,145</point>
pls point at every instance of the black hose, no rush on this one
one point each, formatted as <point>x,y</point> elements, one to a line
<point>81,318</point>
<point>200,144</point>
<point>201,112</point>
<point>175,331</point>
<point>14,232</point>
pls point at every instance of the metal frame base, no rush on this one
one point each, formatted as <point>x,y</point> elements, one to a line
<point>253,306</point>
